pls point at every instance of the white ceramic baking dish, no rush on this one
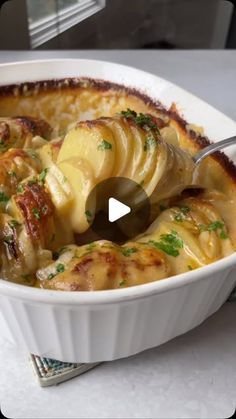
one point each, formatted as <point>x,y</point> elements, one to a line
<point>106,325</point>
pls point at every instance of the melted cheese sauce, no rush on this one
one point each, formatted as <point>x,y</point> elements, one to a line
<point>191,232</point>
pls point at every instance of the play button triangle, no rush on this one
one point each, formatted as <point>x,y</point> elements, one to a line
<point>117,209</point>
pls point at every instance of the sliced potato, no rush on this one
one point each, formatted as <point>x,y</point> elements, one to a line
<point>170,135</point>
<point>81,179</point>
<point>124,146</point>
<point>92,141</point>
<point>174,172</point>
<point>59,188</point>
<point>46,154</point>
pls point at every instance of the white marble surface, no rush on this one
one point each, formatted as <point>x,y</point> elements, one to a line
<point>192,376</point>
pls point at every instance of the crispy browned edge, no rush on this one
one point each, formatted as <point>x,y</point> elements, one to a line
<point>103,85</point>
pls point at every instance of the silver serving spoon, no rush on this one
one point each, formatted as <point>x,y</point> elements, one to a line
<point>212,148</point>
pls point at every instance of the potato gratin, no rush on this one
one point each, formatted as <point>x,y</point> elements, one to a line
<point>59,139</point>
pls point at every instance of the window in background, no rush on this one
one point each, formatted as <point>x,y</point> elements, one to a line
<point>48,19</point>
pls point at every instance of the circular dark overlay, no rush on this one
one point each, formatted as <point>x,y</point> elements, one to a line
<point>125,228</point>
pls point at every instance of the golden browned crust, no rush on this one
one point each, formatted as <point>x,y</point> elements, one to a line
<point>35,88</point>
<point>34,125</point>
<point>36,208</point>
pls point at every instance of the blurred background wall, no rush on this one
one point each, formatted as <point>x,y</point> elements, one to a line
<point>121,24</point>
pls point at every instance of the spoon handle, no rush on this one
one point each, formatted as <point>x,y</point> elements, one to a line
<point>214,147</point>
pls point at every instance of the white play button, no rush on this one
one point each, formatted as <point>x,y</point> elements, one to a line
<point>116,209</point>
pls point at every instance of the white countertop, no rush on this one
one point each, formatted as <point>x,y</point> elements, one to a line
<point>192,376</point>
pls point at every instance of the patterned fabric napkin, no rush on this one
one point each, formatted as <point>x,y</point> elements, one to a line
<point>51,372</point>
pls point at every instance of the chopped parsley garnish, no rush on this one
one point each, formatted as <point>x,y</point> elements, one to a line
<point>223,235</point>
<point>143,120</point>
<point>60,267</point>
<point>33,154</point>
<point>184,210</point>
<point>8,239</point>
<point>44,209</point>
<point>13,174</point>
<point>14,223</point>
<point>169,243</point>
<point>59,252</point>
<point>190,268</point>
<point>104,145</point>
<point>88,215</point>
<point>3,197</point>
<point>64,179</point>
<point>122,283</point>
<point>90,246</point>
<point>3,146</point>
<point>62,250</point>
<point>20,188</point>
<point>215,226</point>
<point>129,113</point>
<point>127,251</point>
<point>36,213</point>
<point>150,143</point>
<point>42,176</point>
<point>179,217</point>
<point>32,182</point>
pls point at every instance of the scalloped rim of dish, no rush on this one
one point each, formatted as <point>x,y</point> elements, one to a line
<point>124,294</point>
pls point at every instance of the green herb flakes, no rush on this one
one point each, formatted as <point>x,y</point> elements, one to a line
<point>104,145</point>
<point>36,213</point>
<point>127,251</point>
<point>13,174</point>
<point>4,197</point>
<point>215,226</point>
<point>13,223</point>
<point>90,246</point>
<point>50,276</point>
<point>60,268</point>
<point>169,243</point>
<point>42,176</point>
<point>33,154</point>
<point>122,283</point>
<point>44,209</point>
<point>3,146</point>
<point>150,143</point>
<point>32,181</point>
<point>88,215</point>
<point>129,113</point>
<point>143,120</point>
<point>9,239</point>
<point>59,252</point>
<point>223,235</point>
<point>20,188</point>
<point>181,216</point>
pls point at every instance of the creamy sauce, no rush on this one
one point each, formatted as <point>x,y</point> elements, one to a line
<point>186,232</point>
